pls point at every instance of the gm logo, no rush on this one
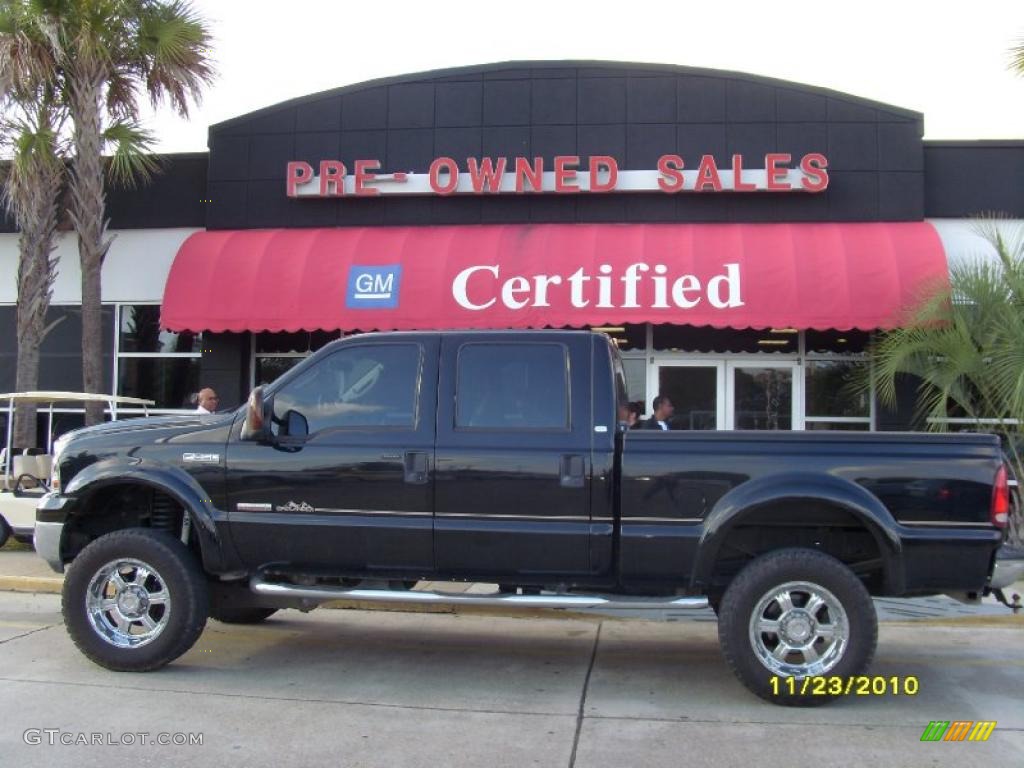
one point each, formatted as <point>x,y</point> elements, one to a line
<point>373,287</point>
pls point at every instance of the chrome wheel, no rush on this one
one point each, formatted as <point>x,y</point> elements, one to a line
<point>799,629</point>
<point>127,603</point>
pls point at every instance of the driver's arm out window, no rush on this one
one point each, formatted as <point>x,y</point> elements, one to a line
<point>363,386</point>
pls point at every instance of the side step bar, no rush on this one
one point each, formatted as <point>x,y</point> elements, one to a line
<point>495,599</point>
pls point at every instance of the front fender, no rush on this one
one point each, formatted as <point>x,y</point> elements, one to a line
<point>175,483</point>
<point>743,502</point>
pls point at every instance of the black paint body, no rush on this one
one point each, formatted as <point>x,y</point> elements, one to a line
<point>587,505</point>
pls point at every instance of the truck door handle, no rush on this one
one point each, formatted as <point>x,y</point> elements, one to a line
<point>416,467</point>
<point>572,470</point>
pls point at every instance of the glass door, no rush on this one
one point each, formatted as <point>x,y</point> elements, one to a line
<point>696,389</point>
<point>762,395</point>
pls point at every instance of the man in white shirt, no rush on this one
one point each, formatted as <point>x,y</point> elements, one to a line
<point>207,401</point>
<point>663,410</point>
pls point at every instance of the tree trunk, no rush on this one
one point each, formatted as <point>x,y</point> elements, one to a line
<point>88,204</point>
<point>36,213</point>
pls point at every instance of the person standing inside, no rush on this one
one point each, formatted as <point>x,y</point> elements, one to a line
<point>663,410</point>
<point>207,401</point>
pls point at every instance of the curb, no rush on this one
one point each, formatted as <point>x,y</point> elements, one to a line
<point>39,584</point>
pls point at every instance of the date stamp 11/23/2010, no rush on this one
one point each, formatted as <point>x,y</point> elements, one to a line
<point>838,685</point>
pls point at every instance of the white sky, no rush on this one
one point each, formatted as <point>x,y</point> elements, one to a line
<point>945,59</point>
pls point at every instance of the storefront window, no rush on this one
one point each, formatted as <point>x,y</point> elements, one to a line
<point>833,400</point>
<point>169,381</point>
<point>155,364</point>
<point>140,332</point>
<point>842,342</point>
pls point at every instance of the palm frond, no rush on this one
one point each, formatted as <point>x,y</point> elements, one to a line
<point>131,160</point>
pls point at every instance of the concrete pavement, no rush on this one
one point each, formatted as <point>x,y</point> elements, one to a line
<point>362,688</point>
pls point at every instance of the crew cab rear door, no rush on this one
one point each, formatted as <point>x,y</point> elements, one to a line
<point>512,488</point>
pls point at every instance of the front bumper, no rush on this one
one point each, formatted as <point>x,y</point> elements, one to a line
<point>49,530</point>
<point>1009,567</point>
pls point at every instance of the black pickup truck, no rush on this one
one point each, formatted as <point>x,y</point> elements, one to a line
<point>500,457</point>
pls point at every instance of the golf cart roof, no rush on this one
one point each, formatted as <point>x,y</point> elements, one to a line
<point>72,397</point>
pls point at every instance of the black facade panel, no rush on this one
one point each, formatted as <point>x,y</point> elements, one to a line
<point>968,178</point>
<point>314,147</point>
<point>411,105</point>
<point>322,115</point>
<point>362,145</point>
<point>847,111</point>
<point>696,139</point>
<point>270,154</point>
<point>457,210</point>
<point>651,207</point>
<point>603,140</point>
<point>458,104</point>
<point>646,143</point>
<point>229,158</point>
<point>507,102</point>
<point>363,211</point>
<point>227,206</point>
<point>752,140</point>
<point>410,150</point>
<point>899,147</point>
<point>509,141</point>
<point>549,141</point>
<point>853,196</point>
<point>797,139</point>
<point>700,100</point>
<point>554,101</point>
<point>794,106</point>
<point>901,195</point>
<point>601,100</point>
<point>601,209</point>
<point>175,197</point>
<point>268,206</point>
<point>853,147</point>
<point>458,144</point>
<point>274,121</point>
<point>651,100</point>
<point>749,102</point>
<point>365,110</point>
<point>553,209</point>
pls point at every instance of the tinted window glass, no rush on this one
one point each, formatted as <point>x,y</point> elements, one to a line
<point>512,386</point>
<point>366,386</point>
<point>141,332</point>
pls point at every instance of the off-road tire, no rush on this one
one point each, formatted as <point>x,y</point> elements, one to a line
<point>774,569</point>
<point>182,578</point>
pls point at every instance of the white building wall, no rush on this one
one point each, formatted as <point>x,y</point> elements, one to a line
<point>134,271</point>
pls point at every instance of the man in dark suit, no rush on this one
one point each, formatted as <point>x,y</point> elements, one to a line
<point>663,410</point>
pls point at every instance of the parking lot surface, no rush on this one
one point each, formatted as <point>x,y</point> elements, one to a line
<point>373,688</point>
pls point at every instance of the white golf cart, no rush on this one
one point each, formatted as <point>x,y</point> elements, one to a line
<point>25,477</point>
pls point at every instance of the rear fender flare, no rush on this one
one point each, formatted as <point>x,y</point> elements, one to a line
<point>741,505</point>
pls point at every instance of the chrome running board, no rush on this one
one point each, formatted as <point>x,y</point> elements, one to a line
<point>494,599</point>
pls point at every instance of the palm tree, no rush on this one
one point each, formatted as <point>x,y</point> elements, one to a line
<point>30,134</point>
<point>111,53</point>
<point>965,346</point>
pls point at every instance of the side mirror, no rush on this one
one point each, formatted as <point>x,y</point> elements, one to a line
<point>295,425</point>
<point>255,426</point>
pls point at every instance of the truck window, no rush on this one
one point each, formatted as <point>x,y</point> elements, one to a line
<point>363,386</point>
<point>512,386</point>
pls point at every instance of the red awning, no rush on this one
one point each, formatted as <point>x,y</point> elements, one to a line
<point>517,276</point>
